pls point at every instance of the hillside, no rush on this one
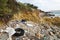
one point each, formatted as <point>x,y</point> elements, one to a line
<point>13,10</point>
<point>37,24</point>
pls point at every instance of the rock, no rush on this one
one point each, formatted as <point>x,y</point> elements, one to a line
<point>38,35</point>
<point>35,31</point>
<point>3,36</point>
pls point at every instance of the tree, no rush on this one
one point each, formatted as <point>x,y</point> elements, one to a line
<point>32,6</point>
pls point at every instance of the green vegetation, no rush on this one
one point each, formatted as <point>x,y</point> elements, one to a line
<point>32,6</point>
<point>5,11</point>
<point>3,7</point>
<point>10,7</point>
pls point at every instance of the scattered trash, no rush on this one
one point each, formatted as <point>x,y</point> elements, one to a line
<point>28,30</point>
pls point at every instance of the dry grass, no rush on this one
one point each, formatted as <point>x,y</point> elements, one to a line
<point>31,16</point>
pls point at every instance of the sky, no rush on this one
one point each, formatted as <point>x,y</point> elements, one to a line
<point>45,5</point>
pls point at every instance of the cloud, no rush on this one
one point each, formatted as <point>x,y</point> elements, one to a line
<point>45,5</point>
<point>57,1</point>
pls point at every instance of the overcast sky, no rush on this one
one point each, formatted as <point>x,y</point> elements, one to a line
<point>45,5</point>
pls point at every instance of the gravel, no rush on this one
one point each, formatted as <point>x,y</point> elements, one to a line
<point>35,31</point>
